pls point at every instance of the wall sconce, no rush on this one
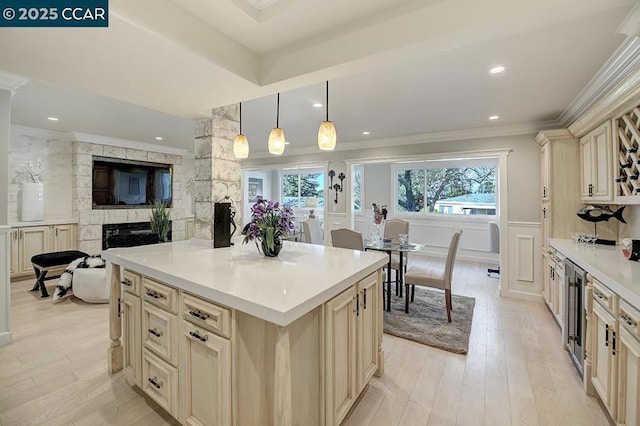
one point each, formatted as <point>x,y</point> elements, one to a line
<point>337,186</point>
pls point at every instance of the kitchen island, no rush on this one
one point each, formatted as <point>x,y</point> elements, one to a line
<point>228,336</point>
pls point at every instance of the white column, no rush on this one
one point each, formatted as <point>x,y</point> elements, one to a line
<point>8,83</point>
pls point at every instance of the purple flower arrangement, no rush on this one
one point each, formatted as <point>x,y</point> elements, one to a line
<point>270,223</point>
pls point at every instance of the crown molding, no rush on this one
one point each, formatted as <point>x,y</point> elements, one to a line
<point>10,81</point>
<point>631,24</point>
<point>35,132</point>
<point>618,99</point>
<point>622,63</point>
<point>124,143</point>
<point>555,134</point>
<point>421,138</point>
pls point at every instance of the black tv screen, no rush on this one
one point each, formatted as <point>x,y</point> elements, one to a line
<point>128,184</point>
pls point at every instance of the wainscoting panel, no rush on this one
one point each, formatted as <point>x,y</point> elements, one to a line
<point>525,263</point>
<point>435,233</point>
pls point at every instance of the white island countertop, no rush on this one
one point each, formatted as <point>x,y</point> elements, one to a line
<point>607,265</point>
<point>279,290</point>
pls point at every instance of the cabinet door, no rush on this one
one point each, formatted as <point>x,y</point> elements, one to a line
<point>546,226</point>
<point>33,240</point>
<point>628,379</point>
<point>546,282</point>
<point>545,167</point>
<point>601,164</point>
<point>603,363</point>
<point>586,167</point>
<point>64,237</point>
<point>132,337</point>
<point>340,347</point>
<point>367,329</point>
<point>15,251</point>
<point>205,377</point>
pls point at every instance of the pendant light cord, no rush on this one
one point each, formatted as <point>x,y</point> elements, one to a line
<point>278,112</point>
<point>327,101</point>
<point>240,117</point>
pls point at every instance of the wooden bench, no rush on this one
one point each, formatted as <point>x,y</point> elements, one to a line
<point>45,262</point>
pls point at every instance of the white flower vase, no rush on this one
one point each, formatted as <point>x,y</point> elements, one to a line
<point>32,201</point>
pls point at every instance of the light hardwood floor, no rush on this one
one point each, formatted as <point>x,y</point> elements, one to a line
<point>515,373</point>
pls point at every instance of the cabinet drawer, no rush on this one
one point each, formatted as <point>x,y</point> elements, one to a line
<point>160,332</point>
<point>160,382</point>
<point>603,295</point>
<point>130,282</point>
<point>160,295</point>
<point>207,315</point>
<point>629,318</point>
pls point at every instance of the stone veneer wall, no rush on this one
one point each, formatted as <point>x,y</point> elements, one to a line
<point>217,171</point>
<point>90,221</point>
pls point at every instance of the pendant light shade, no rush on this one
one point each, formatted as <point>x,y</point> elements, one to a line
<point>241,144</point>
<point>327,131</point>
<point>276,137</point>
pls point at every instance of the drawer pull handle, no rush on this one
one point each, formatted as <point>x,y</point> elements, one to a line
<point>200,315</point>
<point>126,282</point>
<point>199,337</point>
<point>600,295</point>
<point>627,320</point>
<point>155,294</point>
<point>155,332</point>
<point>157,384</point>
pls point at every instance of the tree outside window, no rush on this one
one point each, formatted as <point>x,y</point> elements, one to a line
<point>356,188</point>
<point>456,190</point>
<point>298,188</point>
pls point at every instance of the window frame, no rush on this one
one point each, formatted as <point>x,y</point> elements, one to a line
<point>298,172</point>
<point>442,164</point>
<point>354,169</point>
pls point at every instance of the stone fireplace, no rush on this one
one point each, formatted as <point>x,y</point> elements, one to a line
<point>91,221</point>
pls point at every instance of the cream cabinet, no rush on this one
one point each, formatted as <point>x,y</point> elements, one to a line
<point>603,372</point>
<point>545,171</point>
<point>132,337</point>
<point>27,241</point>
<point>595,165</point>
<point>548,278</point>
<point>351,323</point>
<point>628,366</point>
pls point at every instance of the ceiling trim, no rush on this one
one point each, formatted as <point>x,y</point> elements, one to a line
<point>618,67</point>
<point>11,81</point>
<point>620,98</point>
<point>421,138</point>
<point>124,143</point>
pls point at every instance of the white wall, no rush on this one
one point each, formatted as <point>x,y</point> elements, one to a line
<point>632,228</point>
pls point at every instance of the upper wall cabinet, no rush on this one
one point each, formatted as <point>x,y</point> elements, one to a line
<point>627,136</point>
<point>595,150</point>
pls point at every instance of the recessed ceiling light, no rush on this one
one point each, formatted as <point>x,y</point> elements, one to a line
<point>497,70</point>
<point>366,133</point>
<point>317,105</point>
<point>494,117</point>
<point>287,142</point>
<point>52,118</point>
<point>158,138</point>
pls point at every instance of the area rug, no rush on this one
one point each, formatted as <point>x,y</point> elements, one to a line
<point>426,321</point>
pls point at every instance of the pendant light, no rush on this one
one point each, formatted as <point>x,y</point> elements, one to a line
<point>241,144</point>
<point>276,137</point>
<point>327,131</point>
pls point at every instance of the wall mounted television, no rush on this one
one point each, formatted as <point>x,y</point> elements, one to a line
<point>121,184</point>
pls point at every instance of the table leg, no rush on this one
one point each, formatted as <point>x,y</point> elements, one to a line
<point>401,274</point>
<point>389,283</point>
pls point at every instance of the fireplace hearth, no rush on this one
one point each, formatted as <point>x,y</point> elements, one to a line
<point>129,235</point>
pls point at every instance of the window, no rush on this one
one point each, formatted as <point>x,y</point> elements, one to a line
<point>454,187</point>
<point>302,190</point>
<point>356,188</point>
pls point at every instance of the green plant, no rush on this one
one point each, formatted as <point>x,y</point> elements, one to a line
<point>159,218</point>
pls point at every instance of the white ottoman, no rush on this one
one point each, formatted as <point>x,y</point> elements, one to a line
<point>90,285</point>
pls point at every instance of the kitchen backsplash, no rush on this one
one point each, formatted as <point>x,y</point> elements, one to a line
<point>632,228</point>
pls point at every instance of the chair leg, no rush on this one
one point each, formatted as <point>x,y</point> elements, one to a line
<point>450,302</point>
<point>413,291</point>
<point>398,283</point>
<point>406,299</point>
<point>447,299</point>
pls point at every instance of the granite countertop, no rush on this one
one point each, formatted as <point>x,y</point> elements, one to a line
<point>607,265</point>
<point>279,290</point>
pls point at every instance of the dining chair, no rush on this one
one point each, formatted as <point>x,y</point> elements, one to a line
<point>434,276</point>
<point>312,231</point>
<point>347,238</point>
<point>392,228</point>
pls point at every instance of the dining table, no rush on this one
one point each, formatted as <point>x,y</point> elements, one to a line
<point>390,248</point>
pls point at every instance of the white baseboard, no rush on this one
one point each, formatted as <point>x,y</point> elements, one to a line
<point>6,337</point>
